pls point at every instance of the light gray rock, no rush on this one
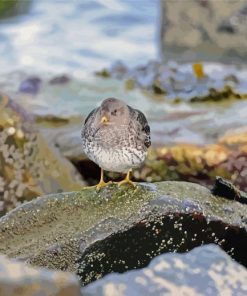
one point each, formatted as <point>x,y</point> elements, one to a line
<point>204,271</point>
<point>204,30</point>
<point>17,278</point>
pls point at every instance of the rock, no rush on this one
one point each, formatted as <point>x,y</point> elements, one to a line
<point>28,166</point>
<point>200,164</point>
<point>226,189</point>
<point>31,85</point>
<point>193,83</point>
<point>17,278</point>
<point>63,79</point>
<point>205,270</point>
<point>204,30</point>
<point>120,229</point>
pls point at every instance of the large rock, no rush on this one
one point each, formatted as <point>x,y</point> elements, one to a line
<point>203,271</point>
<point>28,165</point>
<point>17,278</point>
<point>123,228</point>
<point>204,30</point>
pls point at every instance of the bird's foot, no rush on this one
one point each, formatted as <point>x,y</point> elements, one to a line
<point>126,181</point>
<point>102,184</point>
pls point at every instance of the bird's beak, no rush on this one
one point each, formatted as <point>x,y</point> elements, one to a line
<point>104,120</point>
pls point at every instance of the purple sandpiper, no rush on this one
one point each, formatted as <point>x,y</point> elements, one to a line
<point>116,137</point>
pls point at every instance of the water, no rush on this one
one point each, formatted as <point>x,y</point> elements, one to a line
<point>79,37</point>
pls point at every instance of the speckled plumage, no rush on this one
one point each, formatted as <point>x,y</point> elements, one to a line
<point>122,143</point>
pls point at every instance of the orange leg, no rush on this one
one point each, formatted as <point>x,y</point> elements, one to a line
<point>127,180</point>
<point>102,183</point>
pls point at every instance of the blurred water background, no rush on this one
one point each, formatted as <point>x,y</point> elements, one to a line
<point>77,37</point>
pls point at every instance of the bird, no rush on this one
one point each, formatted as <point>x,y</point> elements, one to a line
<point>116,137</point>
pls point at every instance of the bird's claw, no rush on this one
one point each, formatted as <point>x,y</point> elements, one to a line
<point>126,181</point>
<point>102,184</point>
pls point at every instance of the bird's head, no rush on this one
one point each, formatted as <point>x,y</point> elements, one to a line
<point>113,111</point>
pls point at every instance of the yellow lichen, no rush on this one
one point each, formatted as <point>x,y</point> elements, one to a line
<point>233,139</point>
<point>215,154</point>
<point>198,70</point>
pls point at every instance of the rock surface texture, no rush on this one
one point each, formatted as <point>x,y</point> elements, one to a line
<point>203,271</point>
<point>204,30</point>
<point>119,229</point>
<point>16,278</point>
<point>28,165</point>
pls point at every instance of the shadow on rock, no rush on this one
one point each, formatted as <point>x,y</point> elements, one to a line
<point>173,232</point>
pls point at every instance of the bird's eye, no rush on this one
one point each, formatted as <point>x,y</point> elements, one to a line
<point>114,112</point>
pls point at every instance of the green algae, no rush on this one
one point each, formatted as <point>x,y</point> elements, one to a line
<point>10,8</point>
<point>215,95</point>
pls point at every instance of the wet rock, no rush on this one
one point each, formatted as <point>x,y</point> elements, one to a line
<point>185,82</point>
<point>103,73</point>
<point>120,229</point>
<point>206,269</point>
<point>31,85</point>
<point>28,165</point>
<point>17,278</point>
<point>226,189</point>
<point>60,79</point>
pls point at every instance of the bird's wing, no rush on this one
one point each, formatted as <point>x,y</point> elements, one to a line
<point>88,121</point>
<point>91,115</point>
<point>142,127</point>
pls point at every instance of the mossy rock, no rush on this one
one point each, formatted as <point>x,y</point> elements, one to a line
<point>10,8</point>
<point>121,228</point>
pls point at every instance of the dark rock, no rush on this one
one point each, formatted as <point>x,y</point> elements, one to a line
<point>17,278</point>
<point>226,189</point>
<point>203,271</point>
<point>120,229</point>
<point>31,85</point>
<point>103,73</point>
<point>60,80</point>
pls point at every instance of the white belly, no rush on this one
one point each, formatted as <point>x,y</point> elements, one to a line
<point>120,161</point>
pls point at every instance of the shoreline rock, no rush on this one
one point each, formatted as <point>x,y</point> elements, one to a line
<point>183,83</point>
<point>57,231</point>
<point>205,270</point>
